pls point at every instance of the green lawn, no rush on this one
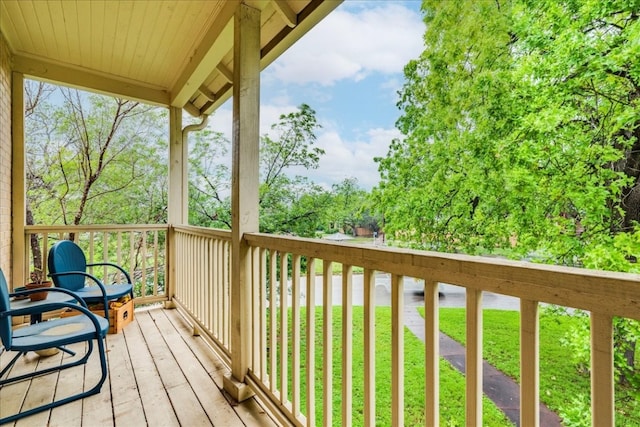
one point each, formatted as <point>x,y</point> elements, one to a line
<point>562,387</point>
<point>451,381</point>
<point>336,268</point>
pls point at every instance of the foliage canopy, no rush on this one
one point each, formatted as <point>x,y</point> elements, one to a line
<point>88,153</point>
<point>521,131</point>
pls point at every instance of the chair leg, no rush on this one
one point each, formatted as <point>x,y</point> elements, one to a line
<point>103,367</point>
<point>22,377</point>
<point>94,390</point>
<point>9,365</point>
<point>66,350</point>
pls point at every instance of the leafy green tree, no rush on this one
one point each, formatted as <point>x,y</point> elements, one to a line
<point>93,159</point>
<point>521,124</point>
<point>440,184</point>
<point>293,145</point>
<point>36,94</point>
<point>209,180</point>
<point>348,205</point>
<point>87,154</point>
<point>288,205</point>
<point>293,206</point>
<point>370,217</point>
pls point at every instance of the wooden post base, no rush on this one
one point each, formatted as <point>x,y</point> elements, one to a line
<point>237,391</point>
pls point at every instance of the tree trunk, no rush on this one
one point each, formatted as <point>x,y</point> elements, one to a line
<point>36,252</point>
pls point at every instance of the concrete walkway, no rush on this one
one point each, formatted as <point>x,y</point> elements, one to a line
<point>498,387</point>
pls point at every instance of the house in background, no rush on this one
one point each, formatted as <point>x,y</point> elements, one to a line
<point>190,57</point>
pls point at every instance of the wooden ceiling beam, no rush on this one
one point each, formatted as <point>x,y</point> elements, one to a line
<point>221,96</point>
<point>308,17</point>
<point>192,109</point>
<point>90,81</point>
<point>208,93</point>
<point>285,11</point>
<point>214,46</point>
<point>225,72</point>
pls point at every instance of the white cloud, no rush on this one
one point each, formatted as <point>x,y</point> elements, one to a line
<point>357,40</point>
<point>350,159</point>
<point>351,44</point>
<point>343,159</point>
<point>222,120</point>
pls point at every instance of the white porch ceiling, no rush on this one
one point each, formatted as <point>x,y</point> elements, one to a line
<point>177,53</point>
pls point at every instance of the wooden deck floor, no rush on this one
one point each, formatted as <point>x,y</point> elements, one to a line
<point>159,375</point>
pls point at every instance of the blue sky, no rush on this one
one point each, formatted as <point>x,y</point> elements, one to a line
<point>348,68</point>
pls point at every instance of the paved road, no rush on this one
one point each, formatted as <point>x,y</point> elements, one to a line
<point>452,296</point>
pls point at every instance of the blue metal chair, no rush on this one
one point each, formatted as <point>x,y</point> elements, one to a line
<point>68,269</point>
<point>86,327</point>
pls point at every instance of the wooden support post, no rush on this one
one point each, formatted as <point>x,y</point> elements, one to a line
<point>177,205</point>
<point>244,189</point>
<point>19,255</point>
<point>178,179</point>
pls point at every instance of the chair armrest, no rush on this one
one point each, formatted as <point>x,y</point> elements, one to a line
<point>92,277</point>
<point>59,290</point>
<point>43,308</point>
<point>110,264</point>
<point>82,273</point>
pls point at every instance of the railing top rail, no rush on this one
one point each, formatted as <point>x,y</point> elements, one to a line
<point>93,227</point>
<point>600,291</point>
<point>203,231</point>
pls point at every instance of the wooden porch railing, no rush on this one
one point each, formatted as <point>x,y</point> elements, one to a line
<point>203,280</point>
<point>277,260</point>
<point>139,249</point>
<point>283,321</point>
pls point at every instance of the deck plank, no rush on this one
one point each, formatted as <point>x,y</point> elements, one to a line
<point>212,363</point>
<point>184,400</point>
<point>159,374</point>
<point>212,400</point>
<point>70,382</point>
<point>252,414</point>
<point>125,398</point>
<point>155,401</point>
<point>250,411</point>
<point>41,391</point>
<point>13,395</point>
<point>97,409</point>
